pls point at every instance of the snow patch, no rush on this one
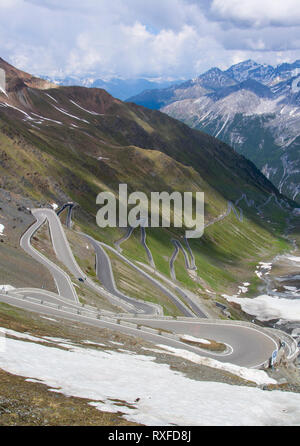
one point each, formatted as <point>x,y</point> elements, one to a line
<point>23,336</point>
<point>71,116</point>
<point>266,307</point>
<point>53,99</point>
<point>293,258</point>
<point>49,319</point>
<point>94,343</point>
<point>192,339</point>
<point>290,288</point>
<point>257,376</point>
<point>84,109</point>
<point>3,91</point>
<point>54,206</point>
<point>6,288</point>
<point>46,119</point>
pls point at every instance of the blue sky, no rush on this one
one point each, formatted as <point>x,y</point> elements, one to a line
<point>146,38</point>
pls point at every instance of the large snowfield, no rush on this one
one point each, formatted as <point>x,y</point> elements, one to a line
<point>166,397</point>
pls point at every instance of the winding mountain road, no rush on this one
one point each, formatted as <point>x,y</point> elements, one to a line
<point>62,280</point>
<point>247,345</point>
<point>107,277</point>
<point>64,254</point>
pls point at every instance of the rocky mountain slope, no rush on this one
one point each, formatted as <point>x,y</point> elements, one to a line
<point>61,144</point>
<point>254,108</point>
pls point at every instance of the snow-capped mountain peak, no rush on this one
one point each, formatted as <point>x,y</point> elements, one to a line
<point>253,107</point>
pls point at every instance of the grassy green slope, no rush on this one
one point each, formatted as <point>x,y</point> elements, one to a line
<point>149,151</point>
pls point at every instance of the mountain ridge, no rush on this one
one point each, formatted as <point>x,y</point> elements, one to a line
<point>117,87</point>
<point>262,98</point>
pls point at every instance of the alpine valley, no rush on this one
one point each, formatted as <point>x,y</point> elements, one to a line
<point>66,144</point>
<point>252,107</point>
<point>140,325</point>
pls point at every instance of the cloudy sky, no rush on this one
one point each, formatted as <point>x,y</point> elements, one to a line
<point>146,38</point>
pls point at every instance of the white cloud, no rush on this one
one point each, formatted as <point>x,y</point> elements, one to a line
<point>5,4</point>
<point>258,13</point>
<point>160,38</point>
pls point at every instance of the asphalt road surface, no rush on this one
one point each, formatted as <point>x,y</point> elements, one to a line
<point>62,280</point>
<point>100,255</point>
<point>249,347</point>
<point>106,277</point>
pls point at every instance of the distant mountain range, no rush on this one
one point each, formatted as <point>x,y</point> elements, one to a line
<point>254,108</point>
<point>119,88</point>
